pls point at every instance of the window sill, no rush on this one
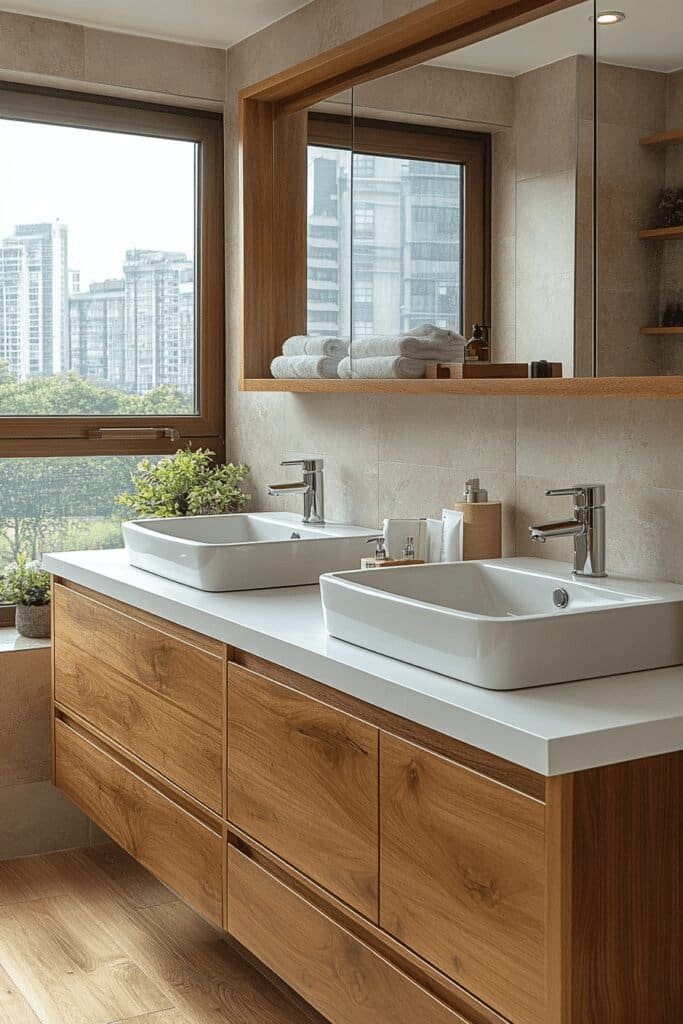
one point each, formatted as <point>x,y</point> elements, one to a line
<point>11,642</point>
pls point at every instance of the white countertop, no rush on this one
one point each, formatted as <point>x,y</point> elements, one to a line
<point>550,729</point>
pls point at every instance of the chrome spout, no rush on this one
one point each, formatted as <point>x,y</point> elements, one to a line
<point>587,528</point>
<point>311,487</point>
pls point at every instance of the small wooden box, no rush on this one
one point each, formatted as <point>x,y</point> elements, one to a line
<point>476,371</point>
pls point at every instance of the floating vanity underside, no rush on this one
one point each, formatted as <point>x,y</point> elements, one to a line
<point>388,873</point>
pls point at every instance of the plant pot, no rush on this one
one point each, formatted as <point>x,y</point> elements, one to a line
<point>33,620</point>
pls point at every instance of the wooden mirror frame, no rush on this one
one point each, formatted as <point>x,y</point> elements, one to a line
<point>272,136</point>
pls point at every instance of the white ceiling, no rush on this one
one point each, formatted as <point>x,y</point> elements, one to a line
<point>651,37</point>
<point>211,22</point>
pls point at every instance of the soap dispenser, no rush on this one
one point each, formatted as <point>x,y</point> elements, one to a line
<point>482,523</point>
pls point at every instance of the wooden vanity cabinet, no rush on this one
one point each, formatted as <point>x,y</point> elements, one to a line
<point>303,781</point>
<point>389,874</point>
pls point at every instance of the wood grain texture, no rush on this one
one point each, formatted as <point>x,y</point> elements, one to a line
<point>179,849</point>
<point>672,138</point>
<point>513,775</point>
<point>462,876</point>
<point>414,967</point>
<point>573,387</point>
<point>627,941</point>
<point>302,779</point>
<point>340,976</point>
<point>153,688</point>
<point>161,733</point>
<point>69,971</point>
<point>482,529</point>
<point>96,926</point>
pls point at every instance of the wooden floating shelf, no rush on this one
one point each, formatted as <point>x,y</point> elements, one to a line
<point>577,387</point>
<point>676,232</point>
<point>661,330</point>
<point>673,138</point>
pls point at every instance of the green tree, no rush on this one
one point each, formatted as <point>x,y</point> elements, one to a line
<point>67,503</point>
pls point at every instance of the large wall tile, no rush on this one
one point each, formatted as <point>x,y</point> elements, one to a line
<point>448,431</point>
<point>25,695</point>
<point>37,818</point>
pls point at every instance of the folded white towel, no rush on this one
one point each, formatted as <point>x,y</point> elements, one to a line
<point>381,367</point>
<point>411,347</point>
<point>304,367</point>
<point>437,334</point>
<point>308,345</point>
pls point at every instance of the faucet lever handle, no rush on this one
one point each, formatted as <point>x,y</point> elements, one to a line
<point>585,495</point>
<point>309,465</point>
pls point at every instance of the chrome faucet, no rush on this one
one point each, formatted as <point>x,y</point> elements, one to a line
<point>311,487</point>
<point>587,528</point>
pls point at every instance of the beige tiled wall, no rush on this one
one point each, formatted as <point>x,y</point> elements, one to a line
<point>399,455</point>
<point>34,816</point>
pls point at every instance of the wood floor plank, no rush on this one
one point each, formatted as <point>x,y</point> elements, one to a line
<point>130,879</point>
<point>163,1017</point>
<point>15,1010</point>
<point>203,977</point>
<point>31,878</point>
<point>70,970</point>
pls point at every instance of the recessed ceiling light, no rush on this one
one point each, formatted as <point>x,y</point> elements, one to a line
<point>610,17</point>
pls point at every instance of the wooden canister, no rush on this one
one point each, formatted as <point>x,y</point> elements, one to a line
<point>482,529</point>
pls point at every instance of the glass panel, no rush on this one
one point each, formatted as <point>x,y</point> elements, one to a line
<point>97,272</point>
<point>61,504</point>
<point>407,244</point>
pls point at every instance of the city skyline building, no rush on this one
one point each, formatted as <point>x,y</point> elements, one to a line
<point>134,333</point>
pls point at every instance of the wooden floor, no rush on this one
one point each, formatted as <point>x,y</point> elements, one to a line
<point>88,937</point>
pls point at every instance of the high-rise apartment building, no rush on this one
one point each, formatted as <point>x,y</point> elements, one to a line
<point>398,249</point>
<point>97,331</point>
<point>160,321</point>
<point>14,306</point>
<point>47,254</point>
<point>34,286</point>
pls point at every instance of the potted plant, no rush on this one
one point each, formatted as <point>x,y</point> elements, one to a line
<point>186,484</point>
<point>27,585</point>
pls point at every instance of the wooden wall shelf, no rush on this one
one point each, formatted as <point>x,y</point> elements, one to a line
<point>570,387</point>
<point>661,330</point>
<point>676,232</point>
<point>673,138</point>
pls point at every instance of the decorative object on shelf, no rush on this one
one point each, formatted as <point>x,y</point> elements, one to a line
<point>670,208</point>
<point>186,484</point>
<point>673,315</point>
<point>542,368</point>
<point>478,349</point>
<point>26,584</point>
<point>474,371</point>
<point>308,356</point>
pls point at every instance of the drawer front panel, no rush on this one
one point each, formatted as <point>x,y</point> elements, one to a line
<point>176,847</point>
<point>463,876</point>
<point>156,695</point>
<point>344,979</point>
<point>303,780</point>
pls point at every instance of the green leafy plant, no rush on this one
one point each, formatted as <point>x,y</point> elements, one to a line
<point>25,582</point>
<point>186,484</point>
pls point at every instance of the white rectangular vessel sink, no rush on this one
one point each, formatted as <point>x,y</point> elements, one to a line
<point>509,623</point>
<point>245,551</point>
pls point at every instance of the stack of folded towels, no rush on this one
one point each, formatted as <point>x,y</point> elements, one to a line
<point>311,357</point>
<point>404,356</point>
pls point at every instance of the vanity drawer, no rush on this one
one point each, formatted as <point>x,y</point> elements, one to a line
<point>303,781</point>
<point>337,973</point>
<point>150,690</point>
<point>463,876</point>
<point>178,848</point>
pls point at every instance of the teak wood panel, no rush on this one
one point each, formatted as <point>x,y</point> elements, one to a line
<point>462,876</point>
<point>302,780</point>
<point>340,976</point>
<point>150,692</point>
<point>179,849</point>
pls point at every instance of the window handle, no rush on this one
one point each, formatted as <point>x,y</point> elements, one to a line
<point>151,433</point>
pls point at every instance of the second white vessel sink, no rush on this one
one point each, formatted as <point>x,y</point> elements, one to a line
<point>509,623</point>
<point>245,551</point>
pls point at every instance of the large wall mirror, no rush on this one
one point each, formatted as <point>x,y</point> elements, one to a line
<point>513,204</point>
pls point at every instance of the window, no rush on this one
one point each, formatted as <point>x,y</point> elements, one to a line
<point>419,249</point>
<point>111,306</point>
